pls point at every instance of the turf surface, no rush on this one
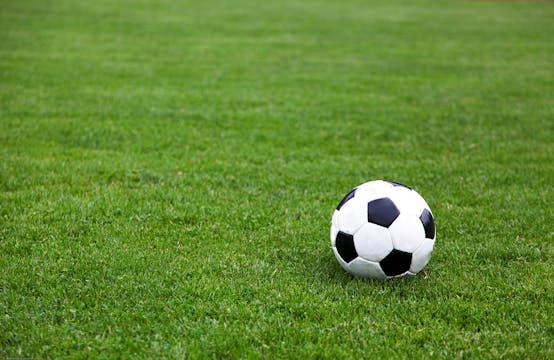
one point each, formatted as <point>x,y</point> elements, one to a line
<point>168,171</point>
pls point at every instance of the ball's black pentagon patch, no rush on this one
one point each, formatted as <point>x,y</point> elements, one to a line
<point>348,196</point>
<point>345,246</point>
<point>382,212</point>
<point>428,223</point>
<point>396,262</point>
<point>394,183</point>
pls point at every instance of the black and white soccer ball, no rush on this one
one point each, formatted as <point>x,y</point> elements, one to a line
<point>382,230</point>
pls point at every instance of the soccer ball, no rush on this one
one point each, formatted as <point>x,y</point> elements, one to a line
<point>381,230</point>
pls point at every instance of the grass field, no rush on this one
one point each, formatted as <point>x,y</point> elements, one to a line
<point>168,172</point>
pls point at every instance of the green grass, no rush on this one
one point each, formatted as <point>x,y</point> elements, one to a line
<point>168,171</point>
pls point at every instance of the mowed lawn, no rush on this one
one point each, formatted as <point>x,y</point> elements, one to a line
<point>168,172</point>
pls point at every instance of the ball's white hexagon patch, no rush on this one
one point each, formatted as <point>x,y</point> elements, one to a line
<point>407,233</point>
<point>373,242</point>
<point>422,255</point>
<point>374,190</point>
<point>366,269</point>
<point>352,215</point>
<point>334,232</point>
<point>407,200</point>
<point>377,187</point>
<point>335,218</point>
